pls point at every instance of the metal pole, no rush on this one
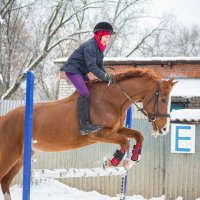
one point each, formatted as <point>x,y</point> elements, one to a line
<point>125,177</point>
<point>28,135</point>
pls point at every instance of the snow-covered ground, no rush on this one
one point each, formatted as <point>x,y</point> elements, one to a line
<point>54,190</point>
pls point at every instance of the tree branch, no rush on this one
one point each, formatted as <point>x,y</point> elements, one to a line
<point>67,38</point>
<point>141,42</point>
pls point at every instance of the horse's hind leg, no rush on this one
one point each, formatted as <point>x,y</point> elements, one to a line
<point>5,170</point>
<point>11,167</point>
<point>5,182</point>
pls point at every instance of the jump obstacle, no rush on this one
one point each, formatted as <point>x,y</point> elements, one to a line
<point>28,135</point>
<point>45,174</point>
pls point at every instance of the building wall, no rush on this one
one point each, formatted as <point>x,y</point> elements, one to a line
<point>176,71</point>
<point>65,89</point>
<point>166,71</point>
<point>193,102</point>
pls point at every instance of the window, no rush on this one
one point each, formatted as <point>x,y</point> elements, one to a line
<point>178,105</point>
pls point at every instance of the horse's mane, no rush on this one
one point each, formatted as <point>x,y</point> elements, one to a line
<point>134,72</point>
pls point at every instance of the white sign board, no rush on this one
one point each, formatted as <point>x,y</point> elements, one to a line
<point>182,138</point>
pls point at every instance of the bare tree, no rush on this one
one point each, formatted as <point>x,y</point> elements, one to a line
<point>11,35</point>
<point>57,28</point>
<point>58,19</point>
<point>177,40</point>
<point>187,41</point>
<point>126,16</point>
<point>5,7</point>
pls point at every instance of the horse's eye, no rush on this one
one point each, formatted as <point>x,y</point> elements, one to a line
<point>163,100</point>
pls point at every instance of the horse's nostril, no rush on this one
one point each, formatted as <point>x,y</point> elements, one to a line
<point>164,129</point>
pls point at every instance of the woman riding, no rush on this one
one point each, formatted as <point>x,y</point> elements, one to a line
<point>88,58</point>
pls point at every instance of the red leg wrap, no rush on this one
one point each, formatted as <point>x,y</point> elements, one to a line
<point>118,155</point>
<point>115,162</point>
<point>136,151</point>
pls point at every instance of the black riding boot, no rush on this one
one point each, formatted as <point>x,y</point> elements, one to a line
<point>83,110</point>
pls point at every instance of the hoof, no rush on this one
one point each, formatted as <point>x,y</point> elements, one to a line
<point>7,196</point>
<point>139,156</point>
<point>128,163</point>
<point>107,164</point>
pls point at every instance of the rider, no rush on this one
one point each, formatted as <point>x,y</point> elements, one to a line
<point>88,58</point>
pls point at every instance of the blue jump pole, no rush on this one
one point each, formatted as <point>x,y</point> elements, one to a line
<point>28,135</point>
<point>128,125</point>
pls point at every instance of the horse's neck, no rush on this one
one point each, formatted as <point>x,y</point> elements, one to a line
<point>136,88</point>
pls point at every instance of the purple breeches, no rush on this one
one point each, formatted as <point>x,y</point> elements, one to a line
<point>78,82</point>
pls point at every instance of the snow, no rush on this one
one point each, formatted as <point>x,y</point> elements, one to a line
<point>1,20</point>
<point>1,78</point>
<point>186,88</point>
<point>61,60</point>
<point>152,59</point>
<point>192,115</point>
<point>54,190</point>
<point>122,59</point>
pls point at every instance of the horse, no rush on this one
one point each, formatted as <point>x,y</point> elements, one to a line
<point>56,124</point>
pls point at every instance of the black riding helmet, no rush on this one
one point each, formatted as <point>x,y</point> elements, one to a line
<point>105,26</point>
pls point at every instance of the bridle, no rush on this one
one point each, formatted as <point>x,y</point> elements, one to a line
<point>154,114</point>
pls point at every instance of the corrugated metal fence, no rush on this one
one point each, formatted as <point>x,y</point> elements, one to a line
<point>159,171</point>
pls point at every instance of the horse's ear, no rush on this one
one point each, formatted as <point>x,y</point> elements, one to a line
<point>174,83</point>
<point>171,82</point>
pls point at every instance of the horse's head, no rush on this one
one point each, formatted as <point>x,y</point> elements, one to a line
<point>157,106</point>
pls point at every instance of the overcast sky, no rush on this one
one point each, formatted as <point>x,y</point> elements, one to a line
<point>187,11</point>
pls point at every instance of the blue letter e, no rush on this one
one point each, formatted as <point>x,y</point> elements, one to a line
<point>182,138</point>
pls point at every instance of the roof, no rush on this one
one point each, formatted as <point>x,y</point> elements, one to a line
<point>151,60</point>
<point>144,60</point>
<point>186,88</point>
<point>186,115</point>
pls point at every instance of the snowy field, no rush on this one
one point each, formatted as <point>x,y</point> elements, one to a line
<point>54,190</point>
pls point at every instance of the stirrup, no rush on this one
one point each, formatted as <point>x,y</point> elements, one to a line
<point>85,132</point>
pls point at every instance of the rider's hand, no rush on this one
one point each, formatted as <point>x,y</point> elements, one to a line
<point>108,77</point>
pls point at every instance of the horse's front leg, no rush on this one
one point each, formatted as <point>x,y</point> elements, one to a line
<point>136,152</point>
<point>107,136</point>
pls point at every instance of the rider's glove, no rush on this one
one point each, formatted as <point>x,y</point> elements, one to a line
<point>108,77</point>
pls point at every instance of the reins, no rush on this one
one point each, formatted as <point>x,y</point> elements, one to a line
<point>154,114</point>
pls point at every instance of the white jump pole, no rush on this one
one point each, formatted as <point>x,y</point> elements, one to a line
<point>38,174</point>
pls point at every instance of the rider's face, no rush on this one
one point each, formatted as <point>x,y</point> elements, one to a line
<point>105,39</point>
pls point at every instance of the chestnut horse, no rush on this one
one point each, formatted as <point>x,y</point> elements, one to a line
<point>56,124</point>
